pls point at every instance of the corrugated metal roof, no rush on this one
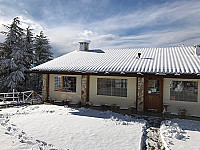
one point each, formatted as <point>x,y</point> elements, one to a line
<point>171,60</point>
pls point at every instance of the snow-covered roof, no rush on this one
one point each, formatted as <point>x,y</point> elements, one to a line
<point>171,60</point>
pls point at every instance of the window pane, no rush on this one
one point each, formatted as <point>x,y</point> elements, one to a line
<point>184,91</point>
<point>57,83</point>
<point>112,87</point>
<point>153,87</point>
<point>68,84</point>
<point>117,83</point>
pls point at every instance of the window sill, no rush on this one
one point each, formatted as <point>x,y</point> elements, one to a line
<point>65,91</point>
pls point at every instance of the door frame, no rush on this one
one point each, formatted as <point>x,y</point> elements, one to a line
<point>151,77</point>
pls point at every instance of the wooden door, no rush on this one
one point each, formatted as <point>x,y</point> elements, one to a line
<point>154,94</point>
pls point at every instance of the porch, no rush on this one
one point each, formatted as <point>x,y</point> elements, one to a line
<point>146,93</point>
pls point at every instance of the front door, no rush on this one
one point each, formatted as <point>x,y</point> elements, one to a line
<point>154,94</point>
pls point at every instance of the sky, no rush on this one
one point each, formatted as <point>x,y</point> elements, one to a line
<point>113,24</point>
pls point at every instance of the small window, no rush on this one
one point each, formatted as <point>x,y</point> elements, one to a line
<point>184,91</point>
<point>112,87</point>
<point>65,84</point>
<point>153,87</point>
<point>57,83</point>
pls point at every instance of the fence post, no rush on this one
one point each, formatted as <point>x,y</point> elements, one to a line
<point>18,101</point>
<point>23,98</point>
<point>13,95</point>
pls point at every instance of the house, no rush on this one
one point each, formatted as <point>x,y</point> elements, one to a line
<point>147,78</point>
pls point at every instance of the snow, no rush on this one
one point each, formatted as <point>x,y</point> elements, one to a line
<point>126,61</point>
<point>60,127</point>
<point>107,104</point>
<point>58,101</point>
<point>96,105</point>
<point>179,134</point>
<point>73,103</point>
<point>174,113</point>
<point>7,102</point>
<point>153,140</point>
<point>124,108</point>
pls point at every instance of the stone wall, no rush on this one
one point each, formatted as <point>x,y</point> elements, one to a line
<point>84,88</point>
<point>140,100</point>
<point>44,87</point>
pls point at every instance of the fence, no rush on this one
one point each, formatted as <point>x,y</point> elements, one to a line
<point>20,97</point>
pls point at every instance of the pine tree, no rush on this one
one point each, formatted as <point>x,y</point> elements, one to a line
<point>18,53</point>
<point>42,55</point>
<point>1,51</point>
<point>12,66</point>
<point>29,48</point>
<point>29,58</point>
<point>42,49</point>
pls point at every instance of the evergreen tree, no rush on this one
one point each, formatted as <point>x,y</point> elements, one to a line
<point>1,51</point>
<point>42,55</point>
<point>12,66</point>
<point>18,53</point>
<point>29,47</point>
<point>42,49</point>
<point>29,58</point>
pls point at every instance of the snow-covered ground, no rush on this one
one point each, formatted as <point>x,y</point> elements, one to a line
<point>59,127</point>
<point>179,134</point>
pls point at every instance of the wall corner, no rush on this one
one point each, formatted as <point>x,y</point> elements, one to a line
<point>84,89</point>
<point>45,87</point>
<point>140,94</point>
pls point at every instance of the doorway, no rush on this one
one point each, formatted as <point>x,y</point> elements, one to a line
<point>154,94</point>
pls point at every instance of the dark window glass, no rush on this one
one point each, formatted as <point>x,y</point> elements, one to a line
<point>112,87</point>
<point>68,84</point>
<point>184,91</point>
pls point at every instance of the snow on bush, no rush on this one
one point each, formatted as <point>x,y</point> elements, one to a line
<point>180,134</point>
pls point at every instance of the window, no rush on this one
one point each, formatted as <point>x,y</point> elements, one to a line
<point>65,84</point>
<point>153,87</point>
<point>184,91</point>
<point>112,87</point>
<point>57,83</point>
<point>69,84</point>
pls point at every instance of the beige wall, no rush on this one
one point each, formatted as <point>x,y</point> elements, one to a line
<point>192,107</point>
<point>75,97</point>
<point>122,101</point>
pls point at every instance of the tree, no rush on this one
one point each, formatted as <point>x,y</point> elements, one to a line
<point>42,55</point>
<point>18,53</point>
<point>1,51</point>
<point>29,58</point>
<point>29,47</point>
<point>42,49</point>
<point>12,66</point>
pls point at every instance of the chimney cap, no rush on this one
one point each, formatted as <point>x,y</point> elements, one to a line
<point>85,41</point>
<point>196,45</point>
<point>84,45</point>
